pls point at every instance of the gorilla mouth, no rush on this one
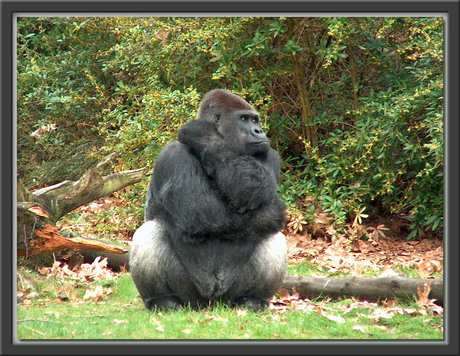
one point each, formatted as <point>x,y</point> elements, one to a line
<point>259,146</point>
<point>260,143</point>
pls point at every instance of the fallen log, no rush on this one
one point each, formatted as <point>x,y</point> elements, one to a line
<point>38,211</point>
<point>50,241</point>
<point>371,289</point>
<point>36,235</point>
<point>59,199</point>
<point>364,288</point>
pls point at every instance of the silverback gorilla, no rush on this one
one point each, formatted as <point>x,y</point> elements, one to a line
<point>213,216</point>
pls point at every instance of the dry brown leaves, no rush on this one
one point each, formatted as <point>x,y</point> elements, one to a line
<point>377,243</point>
<point>352,257</point>
<point>89,224</point>
<point>341,254</point>
<point>84,272</point>
<point>67,292</point>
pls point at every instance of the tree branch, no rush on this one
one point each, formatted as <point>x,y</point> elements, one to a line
<point>50,241</point>
<point>62,198</point>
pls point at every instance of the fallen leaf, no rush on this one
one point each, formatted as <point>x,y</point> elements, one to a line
<point>423,294</point>
<point>241,312</point>
<point>117,322</point>
<point>389,303</point>
<point>434,310</point>
<point>389,273</point>
<point>219,318</point>
<point>284,294</point>
<point>379,314</point>
<point>94,294</point>
<point>335,318</point>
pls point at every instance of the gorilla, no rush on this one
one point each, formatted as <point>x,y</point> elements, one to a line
<point>213,216</point>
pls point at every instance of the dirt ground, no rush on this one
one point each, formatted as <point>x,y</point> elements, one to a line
<point>353,257</point>
<point>378,244</point>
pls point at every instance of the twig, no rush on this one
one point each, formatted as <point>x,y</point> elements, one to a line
<point>38,332</point>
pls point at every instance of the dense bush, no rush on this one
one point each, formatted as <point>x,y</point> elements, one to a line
<point>354,105</point>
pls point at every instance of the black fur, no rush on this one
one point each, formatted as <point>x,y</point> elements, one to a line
<point>214,214</point>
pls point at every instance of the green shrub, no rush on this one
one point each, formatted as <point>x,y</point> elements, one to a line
<point>353,105</point>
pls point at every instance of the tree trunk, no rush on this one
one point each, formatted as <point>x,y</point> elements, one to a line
<point>354,84</point>
<point>367,288</point>
<point>309,130</point>
<point>38,211</point>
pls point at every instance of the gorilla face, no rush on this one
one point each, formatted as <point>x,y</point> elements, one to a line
<point>242,129</point>
<point>236,121</point>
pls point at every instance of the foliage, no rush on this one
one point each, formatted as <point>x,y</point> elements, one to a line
<point>56,86</point>
<point>353,105</point>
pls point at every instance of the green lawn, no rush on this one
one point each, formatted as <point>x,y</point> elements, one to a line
<point>120,314</point>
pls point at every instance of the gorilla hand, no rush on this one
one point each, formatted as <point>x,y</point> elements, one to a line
<point>246,183</point>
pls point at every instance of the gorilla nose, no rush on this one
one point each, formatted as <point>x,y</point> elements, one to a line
<point>257,131</point>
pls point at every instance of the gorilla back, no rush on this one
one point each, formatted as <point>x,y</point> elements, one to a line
<point>212,216</point>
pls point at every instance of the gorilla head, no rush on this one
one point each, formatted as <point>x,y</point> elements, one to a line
<point>235,120</point>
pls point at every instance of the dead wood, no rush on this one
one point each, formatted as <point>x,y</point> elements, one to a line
<point>365,288</point>
<point>62,198</point>
<point>39,210</point>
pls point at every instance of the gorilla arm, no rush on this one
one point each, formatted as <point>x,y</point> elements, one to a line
<point>181,194</point>
<point>247,182</point>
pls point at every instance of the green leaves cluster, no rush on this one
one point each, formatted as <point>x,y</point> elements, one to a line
<point>354,105</point>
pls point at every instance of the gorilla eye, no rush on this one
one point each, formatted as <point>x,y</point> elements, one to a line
<point>244,118</point>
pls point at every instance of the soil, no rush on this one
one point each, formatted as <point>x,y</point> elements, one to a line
<point>389,252</point>
<point>378,244</point>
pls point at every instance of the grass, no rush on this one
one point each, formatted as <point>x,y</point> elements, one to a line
<point>121,315</point>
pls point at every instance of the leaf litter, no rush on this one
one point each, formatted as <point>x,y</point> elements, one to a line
<point>86,275</point>
<point>356,256</point>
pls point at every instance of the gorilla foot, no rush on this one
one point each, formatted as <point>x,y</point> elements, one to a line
<point>252,303</point>
<point>164,303</point>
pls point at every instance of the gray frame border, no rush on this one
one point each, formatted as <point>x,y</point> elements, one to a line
<point>267,347</point>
